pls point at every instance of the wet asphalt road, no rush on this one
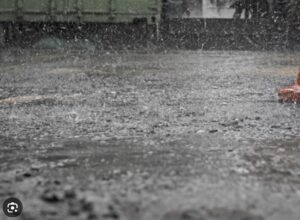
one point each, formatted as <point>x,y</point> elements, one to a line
<point>149,135</point>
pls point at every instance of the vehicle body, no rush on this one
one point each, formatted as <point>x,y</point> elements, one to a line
<point>18,13</point>
<point>99,11</point>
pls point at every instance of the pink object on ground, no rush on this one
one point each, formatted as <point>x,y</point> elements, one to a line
<point>291,93</point>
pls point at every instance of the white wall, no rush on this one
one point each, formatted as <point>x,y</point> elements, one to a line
<point>211,9</point>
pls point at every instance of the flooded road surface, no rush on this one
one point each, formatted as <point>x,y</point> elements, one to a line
<point>149,135</point>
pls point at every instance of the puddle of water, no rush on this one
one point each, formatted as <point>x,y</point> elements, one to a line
<point>82,157</point>
<point>274,160</point>
<point>194,155</point>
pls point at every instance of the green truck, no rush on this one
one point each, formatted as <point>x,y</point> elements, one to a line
<point>99,11</point>
<point>78,11</point>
